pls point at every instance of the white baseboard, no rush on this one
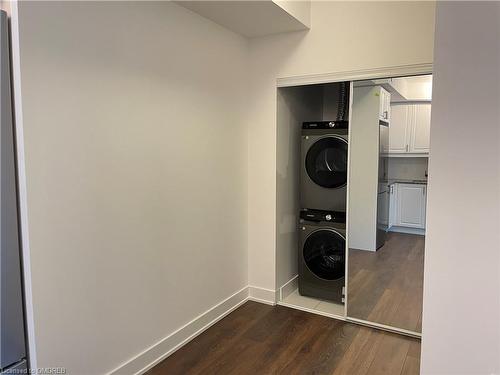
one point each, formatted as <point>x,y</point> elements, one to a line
<point>157,352</point>
<point>168,345</point>
<point>420,232</point>
<point>289,287</point>
<point>262,295</point>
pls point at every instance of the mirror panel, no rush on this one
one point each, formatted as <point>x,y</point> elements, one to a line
<point>388,153</point>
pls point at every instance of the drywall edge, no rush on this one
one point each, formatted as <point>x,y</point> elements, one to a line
<point>21,177</point>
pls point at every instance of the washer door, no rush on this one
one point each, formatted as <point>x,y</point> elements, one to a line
<point>324,254</point>
<point>326,162</point>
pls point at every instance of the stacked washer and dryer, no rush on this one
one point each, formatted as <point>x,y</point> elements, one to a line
<point>323,197</point>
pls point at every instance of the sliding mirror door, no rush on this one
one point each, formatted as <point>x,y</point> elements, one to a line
<point>389,149</point>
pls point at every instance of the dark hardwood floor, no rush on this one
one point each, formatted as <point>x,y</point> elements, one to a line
<point>262,339</point>
<point>387,286</point>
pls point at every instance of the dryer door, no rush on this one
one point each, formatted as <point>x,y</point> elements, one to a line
<point>326,162</point>
<point>324,254</point>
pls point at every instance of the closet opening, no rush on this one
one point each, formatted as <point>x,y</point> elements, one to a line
<point>352,161</point>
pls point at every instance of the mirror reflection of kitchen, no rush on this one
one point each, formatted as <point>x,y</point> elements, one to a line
<point>389,150</point>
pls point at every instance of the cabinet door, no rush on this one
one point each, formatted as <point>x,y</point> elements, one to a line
<point>411,205</point>
<point>425,207</point>
<point>399,129</point>
<point>384,135</point>
<point>382,210</point>
<point>381,104</point>
<point>385,105</point>
<point>392,205</point>
<point>420,132</point>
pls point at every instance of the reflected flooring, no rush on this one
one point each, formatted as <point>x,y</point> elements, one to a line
<point>386,286</point>
<point>321,306</point>
<point>262,339</point>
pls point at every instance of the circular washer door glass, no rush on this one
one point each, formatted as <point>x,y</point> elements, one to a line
<point>326,162</point>
<point>324,254</point>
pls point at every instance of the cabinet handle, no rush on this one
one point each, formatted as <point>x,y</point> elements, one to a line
<point>406,148</point>
<point>386,115</point>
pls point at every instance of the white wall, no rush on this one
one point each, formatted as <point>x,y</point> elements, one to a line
<point>364,146</point>
<point>5,5</point>
<point>461,321</point>
<point>136,169</point>
<point>344,36</point>
<point>414,88</point>
<point>295,105</point>
<point>407,168</point>
<point>301,10</point>
<point>419,88</point>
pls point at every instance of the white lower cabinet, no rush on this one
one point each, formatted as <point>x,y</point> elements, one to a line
<point>382,207</point>
<point>408,205</point>
<point>392,204</point>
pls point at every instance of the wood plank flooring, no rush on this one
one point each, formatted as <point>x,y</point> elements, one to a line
<point>262,339</point>
<point>387,286</point>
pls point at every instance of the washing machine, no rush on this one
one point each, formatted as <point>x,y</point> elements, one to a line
<point>323,176</point>
<point>322,255</point>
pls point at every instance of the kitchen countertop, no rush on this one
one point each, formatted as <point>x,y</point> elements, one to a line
<point>404,181</point>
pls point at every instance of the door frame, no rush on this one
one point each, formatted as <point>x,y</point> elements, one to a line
<point>356,75</point>
<point>342,76</point>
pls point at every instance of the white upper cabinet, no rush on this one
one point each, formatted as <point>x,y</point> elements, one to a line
<point>419,142</point>
<point>410,128</point>
<point>385,105</point>
<point>399,129</point>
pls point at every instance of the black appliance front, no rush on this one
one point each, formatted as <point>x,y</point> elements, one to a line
<point>326,162</point>
<point>323,177</point>
<point>322,258</point>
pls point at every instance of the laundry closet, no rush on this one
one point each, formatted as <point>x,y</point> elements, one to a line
<point>351,199</point>
<point>311,106</point>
